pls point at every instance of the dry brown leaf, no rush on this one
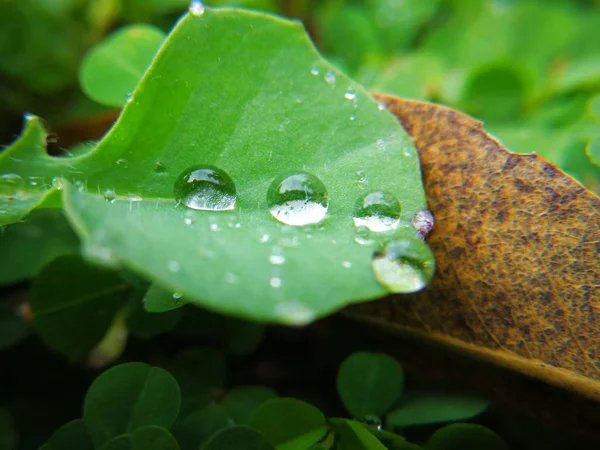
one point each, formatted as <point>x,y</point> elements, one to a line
<point>517,244</point>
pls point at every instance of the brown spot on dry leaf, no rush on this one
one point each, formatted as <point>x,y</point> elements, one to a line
<point>517,244</point>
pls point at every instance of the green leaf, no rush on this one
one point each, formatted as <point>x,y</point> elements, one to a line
<point>21,192</point>
<point>13,328</point>
<point>158,300</point>
<point>354,436</point>
<point>28,246</point>
<point>128,397</point>
<point>285,421</point>
<point>8,434</point>
<point>149,437</point>
<point>593,151</point>
<point>236,438</point>
<point>146,324</point>
<point>71,435</point>
<point>74,303</point>
<point>243,337</point>
<point>195,429</point>
<point>369,383</point>
<point>421,408</point>
<point>255,131</point>
<point>111,70</point>
<point>241,402</point>
<point>460,436</point>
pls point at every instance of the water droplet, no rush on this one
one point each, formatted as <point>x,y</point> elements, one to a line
<point>363,236</point>
<point>57,183</point>
<point>380,144</point>
<point>380,106</point>
<point>159,168</point>
<point>214,227</point>
<point>330,77</point>
<point>177,295</point>
<point>275,282</point>
<point>79,185</point>
<point>315,71</point>
<point>372,419</point>
<point>299,198</point>
<point>353,117</point>
<point>129,97</point>
<point>134,198</point>
<point>11,184</point>
<point>423,222</point>
<point>188,221</point>
<point>294,313</point>
<point>35,181</point>
<point>196,8</point>
<point>407,151</point>
<point>377,211</point>
<point>122,162</point>
<point>361,177</point>
<point>100,254</point>
<point>346,264</point>
<point>264,238</point>
<point>206,188</point>
<point>109,195</point>
<point>277,259</point>
<point>404,266</point>
<point>350,95</point>
<point>173,266</point>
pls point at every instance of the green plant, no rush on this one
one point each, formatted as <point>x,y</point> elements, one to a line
<point>246,181</point>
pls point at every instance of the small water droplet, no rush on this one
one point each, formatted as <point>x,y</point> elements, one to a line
<point>100,254</point>
<point>122,162</point>
<point>109,195</point>
<point>297,199</point>
<point>214,227</point>
<point>404,266</point>
<point>57,183</point>
<point>407,151</point>
<point>350,95</point>
<point>177,295</point>
<point>35,181</point>
<point>196,8</point>
<point>363,236</point>
<point>275,282</point>
<point>134,198</point>
<point>129,97</point>
<point>377,211</point>
<point>188,221</point>
<point>277,259</point>
<point>159,168</point>
<point>79,185</point>
<point>346,264</point>
<point>380,106</point>
<point>294,313</point>
<point>380,144</point>
<point>315,71</point>
<point>423,222</point>
<point>205,188</point>
<point>361,177</point>
<point>173,266</point>
<point>372,419</point>
<point>353,117</point>
<point>264,238</point>
<point>11,184</point>
<point>330,77</point>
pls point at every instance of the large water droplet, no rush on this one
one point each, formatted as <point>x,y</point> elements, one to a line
<point>373,420</point>
<point>159,168</point>
<point>11,184</point>
<point>423,222</point>
<point>299,198</point>
<point>404,266</point>
<point>196,8</point>
<point>207,188</point>
<point>315,71</point>
<point>377,211</point>
<point>109,195</point>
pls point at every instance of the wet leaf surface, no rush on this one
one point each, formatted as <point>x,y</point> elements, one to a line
<point>517,244</point>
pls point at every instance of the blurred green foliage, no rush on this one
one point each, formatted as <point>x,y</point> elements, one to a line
<point>530,69</point>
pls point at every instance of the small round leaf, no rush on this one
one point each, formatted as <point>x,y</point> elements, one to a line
<point>236,438</point>
<point>127,397</point>
<point>461,436</point>
<point>369,383</point>
<point>241,402</point>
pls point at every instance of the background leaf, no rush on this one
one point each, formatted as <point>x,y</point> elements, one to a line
<point>425,407</point>
<point>146,324</point>
<point>238,437</point>
<point>285,420</point>
<point>459,436</point>
<point>111,70</point>
<point>369,383</point>
<point>8,434</point>
<point>71,435</point>
<point>193,430</point>
<point>241,402</point>
<point>74,303</point>
<point>29,245</point>
<point>128,397</point>
<point>13,327</point>
<point>499,261</point>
